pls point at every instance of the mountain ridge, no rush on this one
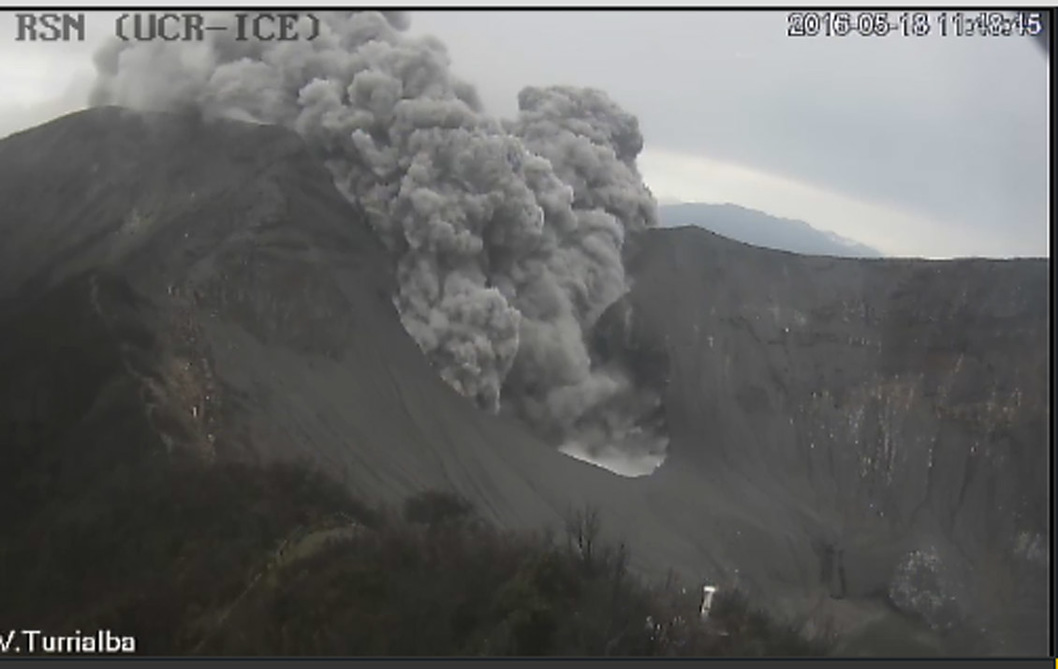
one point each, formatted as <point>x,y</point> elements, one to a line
<point>761,229</point>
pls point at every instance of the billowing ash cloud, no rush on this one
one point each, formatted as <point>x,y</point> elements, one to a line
<point>507,235</point>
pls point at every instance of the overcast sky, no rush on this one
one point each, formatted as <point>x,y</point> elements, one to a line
<point>934,147</point>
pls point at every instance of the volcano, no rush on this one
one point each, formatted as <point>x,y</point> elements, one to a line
<point>865,440</point>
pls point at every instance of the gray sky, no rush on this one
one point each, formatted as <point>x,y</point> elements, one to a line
<point>932,146</point>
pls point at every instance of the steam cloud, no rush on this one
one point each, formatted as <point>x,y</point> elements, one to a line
<point>507,234</point>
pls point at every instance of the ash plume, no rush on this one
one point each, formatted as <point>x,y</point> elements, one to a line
<point>507,235</point>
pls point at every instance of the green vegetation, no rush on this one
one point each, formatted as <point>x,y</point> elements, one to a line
<point>226,559</point>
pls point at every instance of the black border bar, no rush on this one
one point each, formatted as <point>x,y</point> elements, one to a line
<point>530,663</point>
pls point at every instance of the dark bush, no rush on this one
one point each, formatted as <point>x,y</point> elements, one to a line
<point>435,507</point>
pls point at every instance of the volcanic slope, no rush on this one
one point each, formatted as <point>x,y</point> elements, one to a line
<point>848,437</point>
<point>905,403</point>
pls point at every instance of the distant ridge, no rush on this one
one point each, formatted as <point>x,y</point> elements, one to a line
<point>760,229</point>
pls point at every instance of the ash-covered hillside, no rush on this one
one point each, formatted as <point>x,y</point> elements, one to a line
<point>903,405</point>
<point>861,442</point>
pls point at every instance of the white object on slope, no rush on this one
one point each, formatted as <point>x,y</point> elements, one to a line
<point>707,600</point>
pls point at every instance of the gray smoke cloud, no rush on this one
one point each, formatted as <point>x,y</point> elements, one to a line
<point>507,235</point>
